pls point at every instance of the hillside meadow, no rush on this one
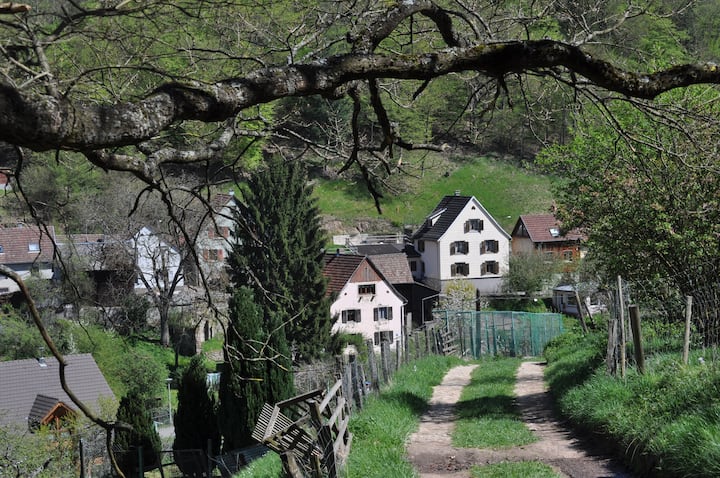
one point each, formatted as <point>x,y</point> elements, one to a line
<point>504,189</point>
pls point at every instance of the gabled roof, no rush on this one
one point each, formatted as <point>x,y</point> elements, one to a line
<point>25,244</point>
<point>220,200</point>
<point>444,215</point>
<point>339,268</point>
<point>23,381</point>
<point>377,249</point>
<point>543,228</point>
<point>394,267</point>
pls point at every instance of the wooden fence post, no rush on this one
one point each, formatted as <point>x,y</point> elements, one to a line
<point>621,302</point>
<point>637,338</point>
<point>688,317</point>
<point>384,359</point>
<point>355,381</point>
<point>374,380</point>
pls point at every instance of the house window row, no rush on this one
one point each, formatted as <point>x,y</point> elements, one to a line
<point>462,269</point>
<point>355,315</point>
<point>486,247</point>
<point>223,231</point>
<point>212,255</point>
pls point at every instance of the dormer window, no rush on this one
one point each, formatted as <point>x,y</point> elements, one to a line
<point>33,247</point>
<point>474,225</point>
<point>554,232</point>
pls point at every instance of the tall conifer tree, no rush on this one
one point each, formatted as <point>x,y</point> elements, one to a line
<point>279,254</point>
<point>132,410</point>
<point>195,420</point>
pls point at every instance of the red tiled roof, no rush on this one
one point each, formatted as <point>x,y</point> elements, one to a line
<point>16,244</point>
<point>540,229</point>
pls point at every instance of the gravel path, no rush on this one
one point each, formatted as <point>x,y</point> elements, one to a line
<point>431,452</point>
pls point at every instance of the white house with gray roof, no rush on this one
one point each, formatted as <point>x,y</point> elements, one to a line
<point>461,240</point>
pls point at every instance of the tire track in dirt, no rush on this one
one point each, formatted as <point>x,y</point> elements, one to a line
<point>431,452</point>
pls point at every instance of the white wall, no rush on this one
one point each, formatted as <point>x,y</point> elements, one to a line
<point>349,298</point>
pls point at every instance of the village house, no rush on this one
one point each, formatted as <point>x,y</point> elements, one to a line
<point>32,395</point>
<point>543,233</point>
<point>26,250</point>
<point>461,240</point>
<point>364,302</point>
<point>215,238</point>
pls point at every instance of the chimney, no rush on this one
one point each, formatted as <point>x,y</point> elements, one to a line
<point>42,362</point>
<point>457,192</point>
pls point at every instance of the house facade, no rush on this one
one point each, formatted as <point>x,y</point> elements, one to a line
<point>26,250</point>
<point>158,263</point>
<point>461,240</point>
<point>542,233</point>
<point>215,238</point>
<point>364,302</point>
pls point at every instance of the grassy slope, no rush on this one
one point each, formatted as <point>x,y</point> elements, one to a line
<point>504,189</point>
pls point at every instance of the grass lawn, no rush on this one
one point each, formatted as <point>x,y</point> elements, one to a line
<point>487,416</point>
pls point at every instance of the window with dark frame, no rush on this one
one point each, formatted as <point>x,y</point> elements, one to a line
<point>382,313</point>
<point>350,315</point>
<point>489,246</point>
<point>366,289</point>
<point>459,269</point>
<point>421,246</point>
<point>383,336</point>
<point>490,267</point>
<point>459,247</point>
<point>474,225</point>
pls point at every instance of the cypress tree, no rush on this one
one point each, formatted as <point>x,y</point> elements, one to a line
<point>195,420</point>
<point>132,410</point>
<point>243,381</point>
<point>279,254</point>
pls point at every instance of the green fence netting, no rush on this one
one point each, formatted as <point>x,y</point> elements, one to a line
<point>501,333</point>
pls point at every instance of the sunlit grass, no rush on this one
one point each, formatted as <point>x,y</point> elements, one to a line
<point>523,469</point>
<point>505,190</point>
<point>487,415</point>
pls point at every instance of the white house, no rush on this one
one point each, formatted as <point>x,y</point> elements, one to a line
<point>364,302</point>
<point>461,240</point>
<point>26,250</point>
<point>215,239</point>
<point>158,263</point>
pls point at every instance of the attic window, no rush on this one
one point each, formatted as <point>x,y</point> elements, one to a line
<point>366,289</point>
<point>474,225</point>
<point>554,232</point>
<point>33,247</point>
<point>1,249</point>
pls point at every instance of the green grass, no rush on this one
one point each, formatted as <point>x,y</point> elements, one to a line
<point>381,429</point>
<point>487,416</point>
<point>525,469</point>
<point>666,421</point>
<point>505,190</point>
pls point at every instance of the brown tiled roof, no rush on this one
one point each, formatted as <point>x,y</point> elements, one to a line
<point>16,241</point>
<point>23,380</point>
<point>394,267</point>
<point>219,201</point>
<point>540,229</point>
<point>339,268</point>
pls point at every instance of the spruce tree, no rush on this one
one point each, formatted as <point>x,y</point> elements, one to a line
<point>279,254</point>
<point>132,410</point>
<point>195,420</point>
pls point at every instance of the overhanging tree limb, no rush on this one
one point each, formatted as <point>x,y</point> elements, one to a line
<point>45,123</point>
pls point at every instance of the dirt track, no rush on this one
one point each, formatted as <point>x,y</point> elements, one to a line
<point>433,456</point>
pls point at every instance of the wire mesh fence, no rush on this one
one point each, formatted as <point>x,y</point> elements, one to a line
<point>501,333</point>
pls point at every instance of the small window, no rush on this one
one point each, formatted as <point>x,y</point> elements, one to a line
<point>421,246</point>
<point>350,315</point>
<point>366,289</point>
<point>1,249</point>
<point>413,264</point>
<point>382,313</point>
<point>33,247</point>
<point>459,247</point>
<point>383,336</point>
<point>474,225</point>
<point>490,267</point>
<point>568,255</point>
<point>489,246</point>
<point>459,269</point>
<point>554,232</point>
